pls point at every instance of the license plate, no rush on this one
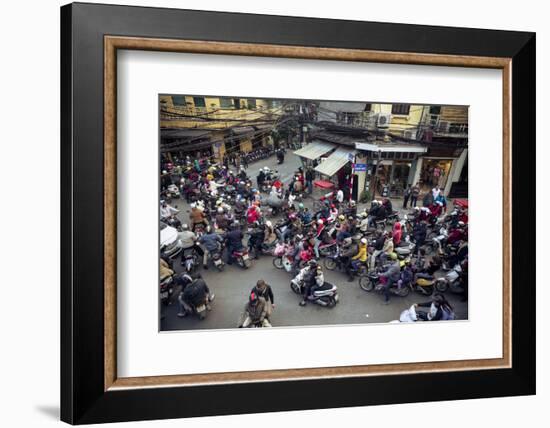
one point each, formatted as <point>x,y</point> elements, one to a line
<point>164,295</point>
<point>201,308</point>
<point>245,256</point>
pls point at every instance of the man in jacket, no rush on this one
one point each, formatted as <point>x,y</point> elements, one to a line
<point>419,235</point>
<point>234,240</point>
<point>378,248</point>
<point>415,191</point>
<point>255,312</point>
<point>262,289</point>
<point>211,242</point>
<point>392,274</point>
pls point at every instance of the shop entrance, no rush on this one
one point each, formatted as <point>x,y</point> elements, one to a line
<point>435,173</point>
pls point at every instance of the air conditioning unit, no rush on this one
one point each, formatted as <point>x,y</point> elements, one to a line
<point>410,134</point>
<point>383,120</point>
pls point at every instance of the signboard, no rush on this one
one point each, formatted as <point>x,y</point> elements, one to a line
<point>351,156</point>
<point>360,167</point>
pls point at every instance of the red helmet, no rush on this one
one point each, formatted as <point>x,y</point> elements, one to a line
<point>332,206</point>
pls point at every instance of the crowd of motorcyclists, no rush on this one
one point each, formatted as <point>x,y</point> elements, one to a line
<point>234,218</point>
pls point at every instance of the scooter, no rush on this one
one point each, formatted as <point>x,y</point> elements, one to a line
<point>450,281</point>
<point>173,192</point>
<point>326,295</point>
<point>216,257</point>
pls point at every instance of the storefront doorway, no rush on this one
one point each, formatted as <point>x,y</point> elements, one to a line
<point>435,173</point>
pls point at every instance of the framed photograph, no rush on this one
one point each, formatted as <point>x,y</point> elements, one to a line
<point>317,212</point>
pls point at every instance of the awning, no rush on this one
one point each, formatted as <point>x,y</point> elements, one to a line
<point>181,133</point>
<point>314,150</point>
<point>239,130</point>
<point>386,148</point>
<point>335,161</point>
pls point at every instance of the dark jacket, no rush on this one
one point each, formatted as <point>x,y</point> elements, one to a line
<point>234,238</point>
<point>210,241</point>
<point>266,293</point>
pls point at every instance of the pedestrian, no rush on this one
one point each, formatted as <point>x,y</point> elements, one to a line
<point>406,196</point>
<point>309,180</point>
<point>245,161</point>
<point>415,191</point>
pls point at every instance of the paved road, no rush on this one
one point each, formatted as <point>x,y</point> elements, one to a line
<point>233,286</point>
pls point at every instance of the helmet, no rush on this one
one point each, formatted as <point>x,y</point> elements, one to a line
<point>393,256</point>
<point>320,221</point>
<point>363,240</point>
<point>266,168</point>
<point>461,223</point>
<point>268,223</point>
<point>185,227</point>
<point>364,215</point>
<point>300,205</point>
<point>439,203</point>
<point>332,206</point>
<point>220,210</point>
<point>164,172</point>
<point>347,241</point>
<point>341,217</point>
<point>352,203</point>
<point>312,263</point>
<point>417,208</point>
<point>350,218</point>
<point>193,205</point>
<point>219,201</point>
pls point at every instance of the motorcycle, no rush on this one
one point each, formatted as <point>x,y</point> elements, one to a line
<point>376,281</point>
<point>173,192</point>
<point>326,295</point>
<point>166,290</point>
<point>242,257</point>
<point>190,259</point>
<point>216,257</point>
<point>450,281</point>
<point>334,261</point>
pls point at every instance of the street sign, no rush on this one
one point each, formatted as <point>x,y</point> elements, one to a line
<point>351,156</point>
<point>360,167</point>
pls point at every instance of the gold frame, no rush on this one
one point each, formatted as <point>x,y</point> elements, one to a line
<point>112,43</point>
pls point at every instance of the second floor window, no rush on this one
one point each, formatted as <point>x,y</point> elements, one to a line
<point>199,101</point>
<point>178,101</point>
<point>226,103</point>
<point>400,109</point>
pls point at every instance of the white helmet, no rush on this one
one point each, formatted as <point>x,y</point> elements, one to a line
<point>220,210</point>
<point>269,224</point>
<point>439,203</point>
<point>185,227</point>
<point>193,205</point>
<point>164,172</point>
<point>363,240</point>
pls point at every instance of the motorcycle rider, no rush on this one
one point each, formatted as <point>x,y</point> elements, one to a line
<point>211,242</point>
<point>361,256</point>
<point>222,220</point>
<point>188,241</point>
<point>167,211</point>
<point>262,289</point>
<point>196,216</point>
<point>256,238</point>
<point>378,248</point>
<point>194,293</point>
<point>255,312</point>
<point>419,234</point>
<point>349,249</point>
<point>313,277</point>
<point>440,309</point>
<point>392,274</point>
<point>234,240</point>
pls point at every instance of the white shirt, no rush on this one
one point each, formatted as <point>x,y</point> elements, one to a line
<point>167,211</point>
<point>340,196</point>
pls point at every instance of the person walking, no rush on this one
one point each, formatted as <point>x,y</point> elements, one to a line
<point>415,191</point>
<point>406,196</point>
<point>309,180</point>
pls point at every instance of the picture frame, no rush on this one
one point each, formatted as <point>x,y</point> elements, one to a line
<point>91,392</point>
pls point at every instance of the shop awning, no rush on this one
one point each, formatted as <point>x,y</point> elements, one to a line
<point>314,150</point>
<point>335,161</point>
<point>404,148</point>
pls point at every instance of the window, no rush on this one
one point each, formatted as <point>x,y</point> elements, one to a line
<point>435,110</point>
<point>400,109</point>
<point>251,103</point>
<point>179,101</point>
<point>199,101</point>
<point>226,103</point>
<point>368,107</point>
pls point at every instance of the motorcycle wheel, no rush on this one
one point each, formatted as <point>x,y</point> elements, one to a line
<point>403,291</point>
<point>278,262</point>
<point>331,302</point>
<point>330,263</point>
<point>366,284</point>
<point>441,286</point>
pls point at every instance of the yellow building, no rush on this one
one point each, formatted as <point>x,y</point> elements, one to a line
<point>231,125</point>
